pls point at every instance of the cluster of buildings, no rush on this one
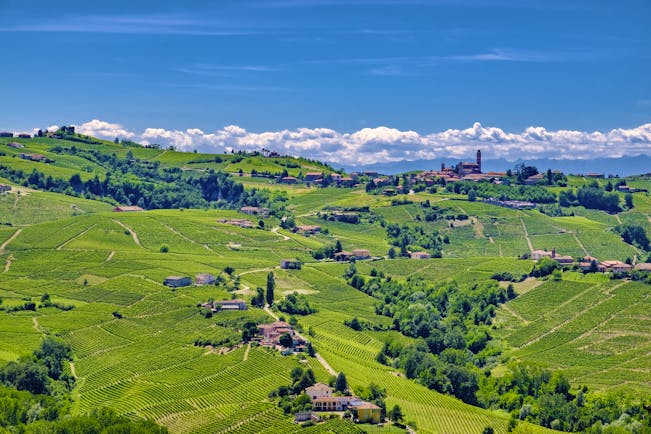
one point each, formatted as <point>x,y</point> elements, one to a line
<point>589,263</point>
<point>269,336</point>
<point>39,158</point>
<point>255,210</point>
<point>323,400</point>
<point>5,188</point>
<point>19,135</point>
<point>181,281</point>
<point>15,145</point>
<point>466,171</point>
<point>355,254</point>
<point>307,229</point>
<point>243,223</point>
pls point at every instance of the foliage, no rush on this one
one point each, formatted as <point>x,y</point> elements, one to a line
<point>295,304</point>
<point>635,235</point>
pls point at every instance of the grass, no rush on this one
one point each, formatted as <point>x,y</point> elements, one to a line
<point>145,364</point>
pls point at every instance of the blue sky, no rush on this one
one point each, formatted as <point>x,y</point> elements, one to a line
<point>423,66</point>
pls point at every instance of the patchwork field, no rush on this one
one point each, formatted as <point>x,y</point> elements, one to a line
<point>133,338</point>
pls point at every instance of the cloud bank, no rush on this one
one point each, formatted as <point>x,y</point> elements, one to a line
<point>385,145</point>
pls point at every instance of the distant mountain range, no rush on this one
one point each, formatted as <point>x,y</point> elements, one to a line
<point>624,166</point>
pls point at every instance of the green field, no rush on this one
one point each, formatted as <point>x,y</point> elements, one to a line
<point>145,364</point>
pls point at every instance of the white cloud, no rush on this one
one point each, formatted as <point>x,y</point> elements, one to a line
<point>104,130</point>
<point>383,144</point>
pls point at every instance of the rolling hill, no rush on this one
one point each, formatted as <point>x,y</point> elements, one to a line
<point>134,339</point>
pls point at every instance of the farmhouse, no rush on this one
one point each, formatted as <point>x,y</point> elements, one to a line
<point>5,188</point>
<point>204,279</point>
<point>586,264</point>
<point>243,223</point>
<point>271,332</point>
<point>313,176</point>
<point>331,403</point>
<point>6,134</point>
<point>419,255</point>
<point>615,266</point>
<point>319,390</point>
<point>35,157</point>
<point>308,229</point>
<point>343,256</point>
<point>366,412</point>
<point>361,254</point>
<point>643,266</point>
<point>539,254</point>
<point>24,136</point>
<point>288,180</point>
<point>290,264</point>
<point>255,210</point>
<point>236,304</point>
<point>534,179</point>
<point>177,281</point>
<point>127,209</point>
<point>15,145</point>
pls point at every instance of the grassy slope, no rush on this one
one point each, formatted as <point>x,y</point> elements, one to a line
<point>149,356</point>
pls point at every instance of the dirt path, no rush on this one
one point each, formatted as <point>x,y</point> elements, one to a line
<point>578,241</point>
<point>515,314</point>
<point>492,241</point>
<point>246,352</point>
<point>73,371</point>
<point>133,234</point>
<point>618,219</point>
<point>526,235</point>
<point>499,247</point>
<point>110,256</point>
<point>284,237</point>
<point>256,270</point>
<point>62,245</point>
<point>36,324</point>
<point>479,229</point>
<point>10,239</point>
<point>317,356</point>
<point>8,264</point>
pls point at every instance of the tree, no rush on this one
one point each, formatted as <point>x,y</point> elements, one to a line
<point>338,247</point>
<point>628,199</point>
<point>271,284</point>
<point>341,385</point>
<point>286,340</point>
<point>391,253</point>
<point>472,195</point>
<point>395,414</point>
<point>310,349</point>
<point>258,299</point>
<point>249,331</point>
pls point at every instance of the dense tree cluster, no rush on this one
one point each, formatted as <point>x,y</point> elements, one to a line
<point>530,193</point>
<point>292,398</point>
<point>295,303</point>
<point>414,237</point>
<point>145,184</point>
<point>539,396</point>
<point>590,196</point>
<point>35,398</point>
<point>635,235</point>
<point>450,320</point>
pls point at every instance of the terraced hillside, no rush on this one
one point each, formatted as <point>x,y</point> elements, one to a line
<point>133,338</point>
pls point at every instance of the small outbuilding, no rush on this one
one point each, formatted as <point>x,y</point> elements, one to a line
<point>177,281</point>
